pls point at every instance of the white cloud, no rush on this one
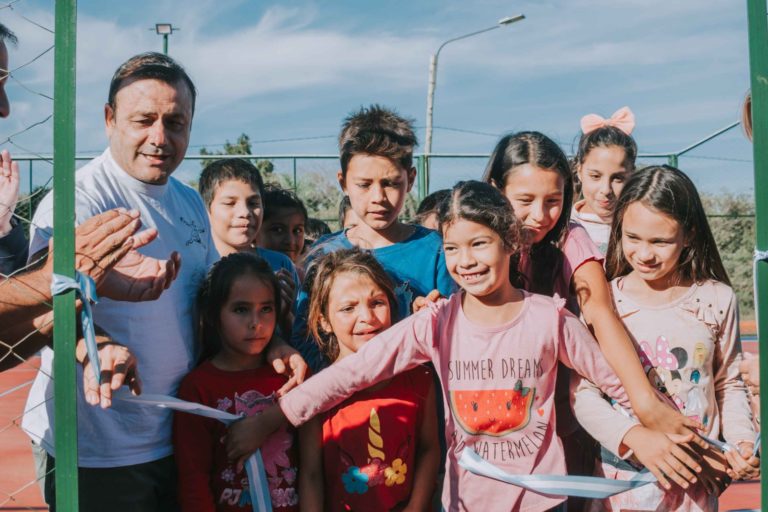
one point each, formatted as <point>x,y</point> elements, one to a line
<point>682,65</point>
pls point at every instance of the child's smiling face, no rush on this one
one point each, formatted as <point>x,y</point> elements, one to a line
<point>358,310</point>
<point>477,259</point>
<point>602,176</point>
<point>377,187</point>
<point>652,243</point>
<point>235,212</point>
<point>536,195</point>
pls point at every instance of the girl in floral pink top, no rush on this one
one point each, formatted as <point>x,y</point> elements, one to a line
<point>495,349</point>
<point>673,295</point>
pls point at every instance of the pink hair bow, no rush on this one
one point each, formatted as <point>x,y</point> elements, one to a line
<point>623,119</point>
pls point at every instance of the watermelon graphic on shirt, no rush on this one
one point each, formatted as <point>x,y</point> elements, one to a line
<point>494,412</point>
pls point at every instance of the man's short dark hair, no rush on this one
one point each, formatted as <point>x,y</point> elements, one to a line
<point>378,131</point>
<point>149,66</point>
<point>6,35</point>
<point>228,169</point>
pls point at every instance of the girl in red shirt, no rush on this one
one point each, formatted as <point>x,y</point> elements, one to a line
<point>378,450</point>
<point>238,305</point>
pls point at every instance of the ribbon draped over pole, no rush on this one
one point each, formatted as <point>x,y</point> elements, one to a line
<point>85,289</point>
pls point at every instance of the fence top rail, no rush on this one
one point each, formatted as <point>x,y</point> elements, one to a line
<point>47,158</point>
<point>37,157</point>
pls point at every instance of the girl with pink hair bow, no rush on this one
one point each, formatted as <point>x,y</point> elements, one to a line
<point>605,158</point>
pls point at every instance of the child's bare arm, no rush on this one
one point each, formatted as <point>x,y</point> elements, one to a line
<point>593,293</point>
<point>619,434</point>
<point>427,458</point>
<point>663,457</point>
<point>247,435</point>
<point>311,497</point>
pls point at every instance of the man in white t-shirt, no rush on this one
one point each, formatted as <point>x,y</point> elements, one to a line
<point>125,453</point>
<point>104,242</point>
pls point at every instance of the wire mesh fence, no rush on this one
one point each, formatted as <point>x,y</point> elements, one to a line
<point>19,479</point>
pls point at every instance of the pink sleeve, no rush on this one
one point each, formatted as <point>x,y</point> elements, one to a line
<point>401,347</point>
<point>607,425</point>
<point>577,250</point>
<point>730,392</point>
<point>579,350</point>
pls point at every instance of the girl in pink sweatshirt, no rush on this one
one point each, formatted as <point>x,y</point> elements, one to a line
<point>495,349</point>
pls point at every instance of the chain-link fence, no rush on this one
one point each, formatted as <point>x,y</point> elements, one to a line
<point>313,178</point>
<point>19,489</point>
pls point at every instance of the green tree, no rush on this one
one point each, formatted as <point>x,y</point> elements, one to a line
<point>241,146</point>
<point>732,219</point>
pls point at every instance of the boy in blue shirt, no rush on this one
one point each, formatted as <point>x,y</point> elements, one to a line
<point>233,191</point>
<point>376,152</point>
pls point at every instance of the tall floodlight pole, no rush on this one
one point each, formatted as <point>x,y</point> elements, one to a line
<point>433,78</point>
<point>165,30</point>
<point>758,71</point>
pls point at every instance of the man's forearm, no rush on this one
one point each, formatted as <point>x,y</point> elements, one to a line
<point>24,297</point>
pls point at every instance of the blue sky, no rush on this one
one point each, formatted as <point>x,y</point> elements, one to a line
<point>292,70</point>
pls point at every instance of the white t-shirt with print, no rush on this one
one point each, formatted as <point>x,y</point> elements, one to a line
<point>160,333</point>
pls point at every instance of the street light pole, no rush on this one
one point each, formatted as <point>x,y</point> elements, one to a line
<point>433,80</point>
<point>165,30</point>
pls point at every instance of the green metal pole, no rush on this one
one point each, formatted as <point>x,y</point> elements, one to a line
<point>295,182</point>
<point>421,173</point>
<point>165,44</point>
<point>758,66</point>
<point>672,160</point>
<point>64,368</point>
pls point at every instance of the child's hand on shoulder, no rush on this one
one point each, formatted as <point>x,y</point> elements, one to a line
<point>287,361</point>
<point>421,302</point>
<point>742,463</point>
<point>663,457</point>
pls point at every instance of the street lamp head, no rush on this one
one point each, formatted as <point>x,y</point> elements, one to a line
<point>511,19</point>
<point>163,28</point>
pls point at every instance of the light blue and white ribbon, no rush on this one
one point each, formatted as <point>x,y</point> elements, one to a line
<point>254,466</point>
<point>720,445</point>
<point>556,485</point>
<point>85,289</point>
